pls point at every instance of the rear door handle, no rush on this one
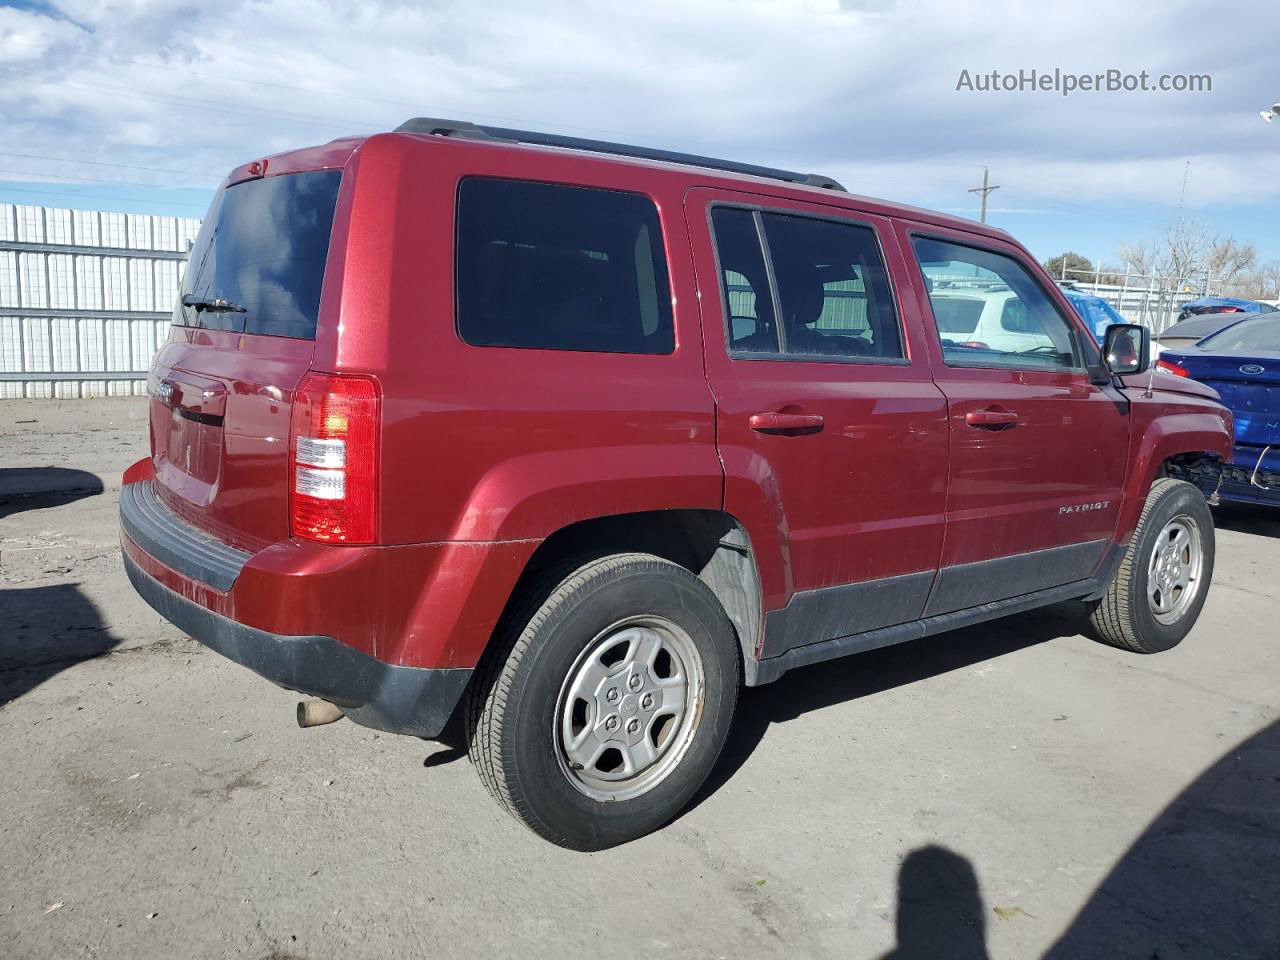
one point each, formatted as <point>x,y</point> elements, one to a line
<point>785,423</point>
<point>993,418</point>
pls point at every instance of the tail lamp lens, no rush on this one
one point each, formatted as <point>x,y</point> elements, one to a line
<point>333,493</point>
<point>1173,368</point>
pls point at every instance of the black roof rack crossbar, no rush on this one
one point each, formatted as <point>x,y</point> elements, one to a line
<point>461,128</point>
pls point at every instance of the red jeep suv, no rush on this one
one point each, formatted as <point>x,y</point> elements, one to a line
<point>578,438</point>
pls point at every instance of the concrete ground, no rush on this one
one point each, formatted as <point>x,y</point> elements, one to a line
<point>1010,791</point>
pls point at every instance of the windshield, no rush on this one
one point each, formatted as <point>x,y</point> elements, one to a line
<point>262,248</point>
<point>1097,313</point>
<point>1258,334</point>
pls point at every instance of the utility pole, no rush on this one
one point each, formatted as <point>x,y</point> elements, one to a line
<point>984,190</point>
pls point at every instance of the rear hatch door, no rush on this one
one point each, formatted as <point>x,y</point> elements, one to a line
<point>243,337</point>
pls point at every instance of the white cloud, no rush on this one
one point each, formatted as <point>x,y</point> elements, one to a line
<point>861,89</point>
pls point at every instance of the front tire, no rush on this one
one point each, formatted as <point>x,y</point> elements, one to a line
<point>1159,589</point>
<point>605,701</point>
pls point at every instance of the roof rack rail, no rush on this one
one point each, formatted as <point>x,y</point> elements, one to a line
<point>472,131</point>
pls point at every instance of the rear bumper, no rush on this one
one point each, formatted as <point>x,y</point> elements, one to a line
<point>411,700</point>
<point>432,605</point>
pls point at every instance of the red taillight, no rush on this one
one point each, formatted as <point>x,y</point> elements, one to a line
<point>1173,368</point>
<point>333,456</point>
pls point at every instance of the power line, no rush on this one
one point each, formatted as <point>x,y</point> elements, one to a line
<point>105,163</point>
<point>50,178</point>
<point>4,188</point>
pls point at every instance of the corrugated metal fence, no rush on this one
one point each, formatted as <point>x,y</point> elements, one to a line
<point>85,298</point>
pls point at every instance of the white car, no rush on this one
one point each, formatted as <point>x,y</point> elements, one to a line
<point>993,317</point>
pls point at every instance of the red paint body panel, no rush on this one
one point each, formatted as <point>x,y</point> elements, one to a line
<point>425,605</point>
<point>229,478</point>
<point>1165,425</point>
<point>863,497</point>
<point>485,452</point>
<point>490,443</point>
<point>1068,446</point>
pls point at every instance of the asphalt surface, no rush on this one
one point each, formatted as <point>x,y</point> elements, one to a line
<point>1011,791</point>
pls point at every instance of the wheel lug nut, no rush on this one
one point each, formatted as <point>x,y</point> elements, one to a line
<point>611,723</point>
<point>612,695</point>
<point>636,681</point>
<point>646,701</point>
<point>633,725</point>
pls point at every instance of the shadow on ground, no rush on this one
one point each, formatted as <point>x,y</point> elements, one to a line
<point>940,911</point>
<point>43,631</point>
<point>1202,880</point>
<point>29,488</point>
<point>1248,518</point>
<point>1200,883</point>
<point>850,678</point>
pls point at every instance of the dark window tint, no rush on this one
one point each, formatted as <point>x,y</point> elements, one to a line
<point>745,282</point>
<point>560,268</point>
<point>833,293</point>
<point>990,311</point>
<point>263,247</point>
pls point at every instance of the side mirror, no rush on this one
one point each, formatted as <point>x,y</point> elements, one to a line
<point>1126,348</point>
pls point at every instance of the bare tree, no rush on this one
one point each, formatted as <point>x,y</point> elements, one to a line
<point>1187,251</point>
<point>1260,283</point>
<point>1137,256</point>
<point>1228,260</point>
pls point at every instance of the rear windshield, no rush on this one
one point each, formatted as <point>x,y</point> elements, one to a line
<point>257,265</point>
<point>1262,333</point>
<point>957,314</point>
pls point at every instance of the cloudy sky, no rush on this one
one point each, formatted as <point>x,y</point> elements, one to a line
<point>144,104</point>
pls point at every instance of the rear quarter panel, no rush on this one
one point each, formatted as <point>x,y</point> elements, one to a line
<point>500,444</point>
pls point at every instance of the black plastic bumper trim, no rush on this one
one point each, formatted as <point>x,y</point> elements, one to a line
<point>176,543</point>
<point>417,701</point>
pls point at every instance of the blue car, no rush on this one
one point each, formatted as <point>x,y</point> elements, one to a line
<point>1226,305</point>
<point>1097,313</point>
<point>1242,362</point>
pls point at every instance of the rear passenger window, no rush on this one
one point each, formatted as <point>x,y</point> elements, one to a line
<point>829,286</point>
<point>745,281</point>
<point>560,268</point>
<point>833,293</point>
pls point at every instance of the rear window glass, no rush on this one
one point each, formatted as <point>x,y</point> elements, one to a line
<point>553,267</point>
<point>1262,333</point>
<point>257,265</point>
<point>957,314</point>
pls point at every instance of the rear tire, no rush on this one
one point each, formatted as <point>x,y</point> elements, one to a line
<point>605,700</point>
<point>1160,587</point>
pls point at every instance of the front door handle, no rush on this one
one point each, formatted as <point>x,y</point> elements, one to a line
<point>993,418</point>
<point>786,423</point>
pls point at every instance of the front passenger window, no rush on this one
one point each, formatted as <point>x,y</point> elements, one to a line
<point>990,311</point>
